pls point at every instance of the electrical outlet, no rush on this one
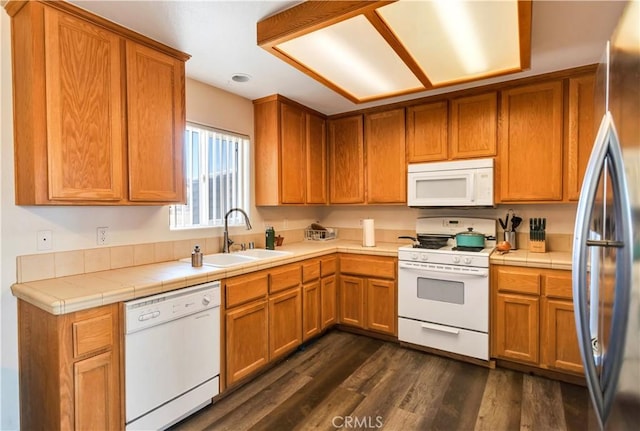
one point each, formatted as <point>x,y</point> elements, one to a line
<point>44,240</point>
<point>102,235</point>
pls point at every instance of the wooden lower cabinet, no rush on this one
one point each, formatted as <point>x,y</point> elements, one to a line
<point>351,299</point>
<point>558,336</point>
<point>285,322</point>
<point>328,301</point>
<point>380,299</point>
<point>70,369</point>
<point>246,340</point>
<point>367,293</point>
<point>516,335</point>
<point>311,310</point>
<point>532,319</point>
<point>94,392</point>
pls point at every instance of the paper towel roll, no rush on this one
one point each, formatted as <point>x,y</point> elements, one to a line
<point>368,233</point>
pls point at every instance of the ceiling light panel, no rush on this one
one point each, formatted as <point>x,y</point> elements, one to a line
<point>353,56</point>
<point>457,40</point>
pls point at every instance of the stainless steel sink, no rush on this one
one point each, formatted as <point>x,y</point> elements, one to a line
<point>225,260</point>
<point>261,253</point>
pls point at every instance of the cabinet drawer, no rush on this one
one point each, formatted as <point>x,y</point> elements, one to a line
<point>328,266</point>
<point>91,335</point>
<point>369,266</point>
<point>558,286</point>
<point>246,288</point>
<point>284,278</point>
<point>310,271</point>
<point>518,280</point>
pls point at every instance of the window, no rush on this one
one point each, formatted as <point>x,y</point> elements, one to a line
<point>217,178</point>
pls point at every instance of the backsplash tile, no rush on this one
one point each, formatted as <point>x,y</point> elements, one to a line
<point>121,256</point>
<point>143,254</point>
<point>36,267</point>
<point>97,259</point>
<point>163,251</point>
<point>69,263</point>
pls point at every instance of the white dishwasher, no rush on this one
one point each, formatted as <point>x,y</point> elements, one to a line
<point>172,355</point>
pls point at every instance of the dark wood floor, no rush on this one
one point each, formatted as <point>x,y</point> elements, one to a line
<point>347,381</point>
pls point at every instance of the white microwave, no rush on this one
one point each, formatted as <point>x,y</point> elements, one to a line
<point>461,183</point>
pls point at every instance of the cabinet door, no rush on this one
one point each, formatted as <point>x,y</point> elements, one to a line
<point>474,124</point>
<point>310,310</point>
<point>346,160</point>
<point>381,306</point>
<point>156,124</point>
<point>85,141</point>
<point>530,162</point>
<point>351,299</point>
<point>316,160</point>
<point>328,311</point>
<point>581,131</point>
<point>516,327</point>
<point>247,340</point>
<point>558,336</point>
<point>292,154</point>
<point>386,159</point>
<point>427,128</point>
<point>96,394</point>
<point>285,322</point>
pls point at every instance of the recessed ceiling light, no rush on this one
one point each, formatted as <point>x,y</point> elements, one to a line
<point>241,77</point>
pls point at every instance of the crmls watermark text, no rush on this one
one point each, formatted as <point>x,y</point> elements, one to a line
<point>357,422</point>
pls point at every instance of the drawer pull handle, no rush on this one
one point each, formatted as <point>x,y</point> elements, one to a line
<point>439,328</point>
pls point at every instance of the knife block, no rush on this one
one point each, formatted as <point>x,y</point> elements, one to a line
<point>537,246</point>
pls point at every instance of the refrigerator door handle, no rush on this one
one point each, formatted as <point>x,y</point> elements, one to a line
<point>606,151</point>
<point>604,243</point>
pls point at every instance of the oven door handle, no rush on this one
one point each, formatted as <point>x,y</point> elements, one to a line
<point>470,272</point>
<point>440,328</point>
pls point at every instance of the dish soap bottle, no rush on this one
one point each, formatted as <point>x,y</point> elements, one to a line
<point>196,257</point>
<point>270,238</point>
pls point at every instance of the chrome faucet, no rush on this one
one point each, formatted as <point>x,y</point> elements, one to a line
<point>227,241</point>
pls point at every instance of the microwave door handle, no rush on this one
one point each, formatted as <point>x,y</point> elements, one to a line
<point>471,191</point>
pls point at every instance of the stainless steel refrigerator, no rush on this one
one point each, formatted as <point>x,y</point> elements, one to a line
<point>606,253</point>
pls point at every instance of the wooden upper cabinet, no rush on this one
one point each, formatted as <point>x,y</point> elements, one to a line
<point>427,132</point>
<point>531,143</point>
<point>316,159</point>
<point>346,160</point>
<point>474,124</point>
<point>581,131</point>
<point>290,153</point>
<point>385,155</point>
<point>84,132</point>
<point>156,123</point>
<point>93,124</point>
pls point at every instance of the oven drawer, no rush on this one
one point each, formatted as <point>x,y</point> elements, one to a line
<point>447,338</point>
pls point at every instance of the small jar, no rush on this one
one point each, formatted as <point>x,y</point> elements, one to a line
<point>196,257</point>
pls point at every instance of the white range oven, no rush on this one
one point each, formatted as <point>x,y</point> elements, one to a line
<point>443,290</point>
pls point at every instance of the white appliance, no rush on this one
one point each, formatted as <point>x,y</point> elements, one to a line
<point>606,252</point>
<point>443,293</point>
<point>172,355</point>
<point>466,183</point>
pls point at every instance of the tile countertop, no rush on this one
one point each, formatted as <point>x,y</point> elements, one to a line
<point>551,259</point>
<point>79,292</point>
